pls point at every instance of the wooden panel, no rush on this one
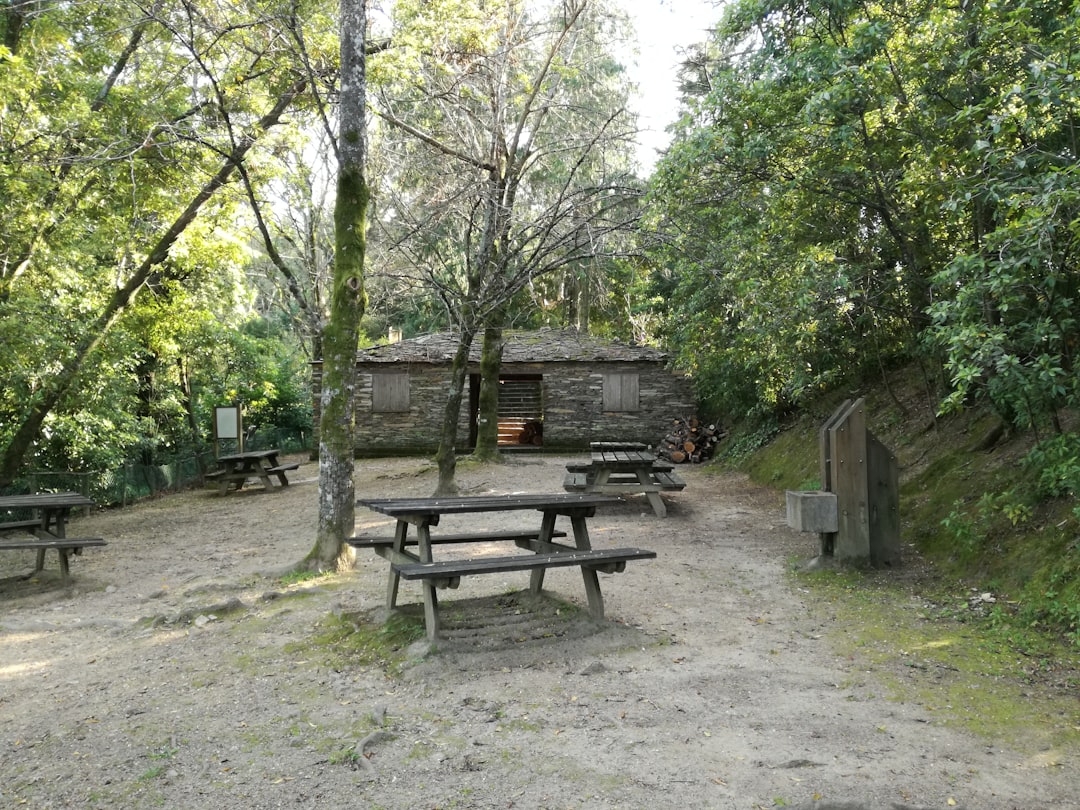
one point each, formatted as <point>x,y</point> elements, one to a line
<point>390,392</point>
<point>883,476</point>
<point>825,455</point>
<point>520,398</point>
<point>847,438</point>
<point>621,392</point>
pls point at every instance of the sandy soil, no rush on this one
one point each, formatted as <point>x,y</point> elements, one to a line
<point>164,676</point>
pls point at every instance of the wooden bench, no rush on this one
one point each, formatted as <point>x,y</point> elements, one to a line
<point>588,466</point>
<point>472,537</point>
<point>280,468</point>
<point>666,481</point>
<point>12,525</point>
<point>575,481</point>
<point>448,573</point>
<point>63,546</point>
<point>669,481</point>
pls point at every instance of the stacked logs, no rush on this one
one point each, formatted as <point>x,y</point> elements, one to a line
<point>689,441</point>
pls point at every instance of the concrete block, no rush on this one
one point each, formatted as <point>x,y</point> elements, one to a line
<point>812,511</point>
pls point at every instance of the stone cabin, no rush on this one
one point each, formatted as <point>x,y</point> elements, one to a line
<point>558,390</point>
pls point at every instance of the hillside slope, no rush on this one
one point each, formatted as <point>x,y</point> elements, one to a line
<point>968,506</point>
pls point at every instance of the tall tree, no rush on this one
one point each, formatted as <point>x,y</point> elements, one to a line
<point>519,163</point>
<point>337,430</point>
<point>840,166</point>
<point>120,125</point>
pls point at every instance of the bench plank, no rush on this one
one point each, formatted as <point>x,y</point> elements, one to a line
<point>472,537</point>
<point>575,481</point>
<point>451,569</point>
<point>12,525</point>
<point>63,546</point>
<point>670,481</point>
<point>58,542</point>
<point>283,467</point>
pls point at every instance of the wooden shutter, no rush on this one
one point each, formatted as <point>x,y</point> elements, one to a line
<point>390,391</point>
<point>620,392</point>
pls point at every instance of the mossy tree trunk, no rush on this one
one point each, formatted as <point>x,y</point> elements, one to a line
<point>487,432</point>
<point>446,457</point>
<point>337,428</point>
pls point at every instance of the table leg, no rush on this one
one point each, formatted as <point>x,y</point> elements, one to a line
<point>644,477</point>
<point>547,529</point>
<point>399,546</point>
<point>259,469</point>
<point>65,568</point>
<point>588,575</point>
<point>58,517</point>
<point>431,597</point>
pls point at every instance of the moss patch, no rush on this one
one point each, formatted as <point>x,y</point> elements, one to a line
<point>966,504</point>
<point>950,655</point>
<point>354,640</point>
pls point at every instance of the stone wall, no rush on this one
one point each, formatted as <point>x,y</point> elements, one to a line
<point>572,396</point>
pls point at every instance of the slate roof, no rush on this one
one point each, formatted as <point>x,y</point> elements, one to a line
<point>539,346</point>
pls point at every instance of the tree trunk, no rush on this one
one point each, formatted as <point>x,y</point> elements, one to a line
<point>337,428</point>
<point>583,304</point>
<point>487,433</point>
<point>446,456</point>
<point>188,401</point>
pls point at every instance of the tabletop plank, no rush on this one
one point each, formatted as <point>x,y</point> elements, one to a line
<point>45,500</point>
<point>248,455</point>
<point>484,503</point>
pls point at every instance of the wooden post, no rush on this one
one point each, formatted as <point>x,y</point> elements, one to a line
<point>884,498</point>
<point>864,476</point>
<point>847,438</point>
<point>828,482</point>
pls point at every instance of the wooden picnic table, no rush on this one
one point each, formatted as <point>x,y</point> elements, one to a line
<point>424,513</point>
<point>617,468</point>
<point>235,469</point>
<point>47,527</point>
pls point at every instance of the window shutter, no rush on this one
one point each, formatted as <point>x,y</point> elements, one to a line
<point>621,392</point>
<point>390,392</point>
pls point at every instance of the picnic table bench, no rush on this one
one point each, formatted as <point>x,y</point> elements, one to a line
<point>617,468</point>
<point>235,469</point>
<point>424,513</point>
<point>47,530</point>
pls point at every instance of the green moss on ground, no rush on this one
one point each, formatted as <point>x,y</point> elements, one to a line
<point>981,624</point>
<point>348,640</point>
<point>949,654</point>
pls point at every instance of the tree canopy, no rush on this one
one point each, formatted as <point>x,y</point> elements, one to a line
<point>849,186</point>
<point>853,184</point>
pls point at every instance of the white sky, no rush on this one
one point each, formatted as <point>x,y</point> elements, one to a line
<point>664,27</point>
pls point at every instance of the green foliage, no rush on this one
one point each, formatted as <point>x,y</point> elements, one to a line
<point>856,184</point>
<point>1055,467</point>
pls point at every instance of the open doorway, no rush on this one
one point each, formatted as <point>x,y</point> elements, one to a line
<point>521,409</point>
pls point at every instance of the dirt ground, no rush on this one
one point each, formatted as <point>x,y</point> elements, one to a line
<point>168,674</point>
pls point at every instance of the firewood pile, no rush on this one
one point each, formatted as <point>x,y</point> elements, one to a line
<point>689,441</point>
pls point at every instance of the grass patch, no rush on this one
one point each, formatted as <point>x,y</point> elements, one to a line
<point>1004,520</point>
<point>347,641</point>
<point>299,577</point>
<point>950,655</point>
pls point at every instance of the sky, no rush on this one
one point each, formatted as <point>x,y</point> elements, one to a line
<point>663,27</point>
